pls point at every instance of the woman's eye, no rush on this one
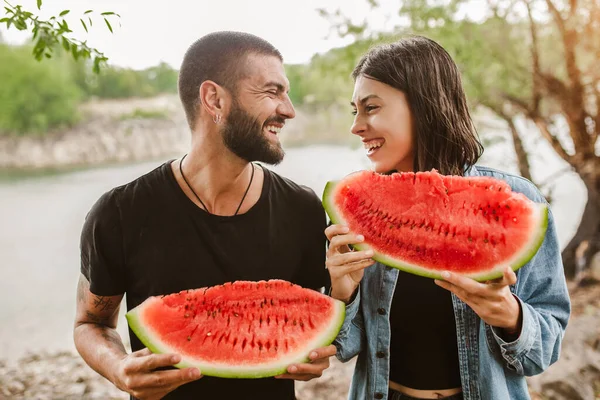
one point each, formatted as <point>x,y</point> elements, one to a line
<point>354,112</point>
<point>370,108</point>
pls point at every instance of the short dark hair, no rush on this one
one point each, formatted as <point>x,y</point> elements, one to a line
<point>219,57</point>
<point>444,134</point>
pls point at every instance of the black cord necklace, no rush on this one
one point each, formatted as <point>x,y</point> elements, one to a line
<point>198,197</point>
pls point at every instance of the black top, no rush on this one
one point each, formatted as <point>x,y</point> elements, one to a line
<point>424,351</point>
<point>148,238</point>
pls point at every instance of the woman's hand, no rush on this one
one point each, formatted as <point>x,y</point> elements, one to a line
<point>492,300</point>
<point>346,267</point>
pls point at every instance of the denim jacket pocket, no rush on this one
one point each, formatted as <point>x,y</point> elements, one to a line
<point>358,322</point>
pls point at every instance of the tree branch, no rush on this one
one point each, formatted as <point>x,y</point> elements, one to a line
<point>572,8</point>
<point>542,125</point>
<point>554,86</point>
<point>557,16</point>
<point>535,60</point>
<point>596,134</point>
<point>520,152</point>
<point>574,103</point>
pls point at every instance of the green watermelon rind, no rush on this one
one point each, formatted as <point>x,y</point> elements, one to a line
<point>251,372</point>
<point>523,258</point>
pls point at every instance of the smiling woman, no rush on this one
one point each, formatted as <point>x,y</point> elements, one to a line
<point>384,123</point>
<point>457,338</point>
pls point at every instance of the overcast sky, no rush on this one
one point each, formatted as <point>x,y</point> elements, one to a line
<point>154,31</point>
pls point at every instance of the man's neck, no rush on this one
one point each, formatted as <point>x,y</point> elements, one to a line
<point>218,177</point>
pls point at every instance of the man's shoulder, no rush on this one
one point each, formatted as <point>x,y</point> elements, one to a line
<point>292,191</point>
<point>516,182</point>
<point>138,189</point>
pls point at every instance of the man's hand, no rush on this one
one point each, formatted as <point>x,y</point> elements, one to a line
<point>314,369</point>
<point>136,375</point>
<point>492,300</point>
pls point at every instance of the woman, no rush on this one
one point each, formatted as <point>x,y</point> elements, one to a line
<point>416,337</point>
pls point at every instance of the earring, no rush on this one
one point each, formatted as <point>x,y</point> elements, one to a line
<point>217,118</point>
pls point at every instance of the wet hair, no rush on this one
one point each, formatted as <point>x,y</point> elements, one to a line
<point>444,134</point>
<point>220,57</point>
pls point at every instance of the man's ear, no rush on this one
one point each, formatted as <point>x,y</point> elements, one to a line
<point>213,98</point>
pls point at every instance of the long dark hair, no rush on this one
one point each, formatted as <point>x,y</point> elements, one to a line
<point>444,134</point>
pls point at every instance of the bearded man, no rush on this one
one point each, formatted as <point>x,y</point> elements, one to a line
<point>209,217</point>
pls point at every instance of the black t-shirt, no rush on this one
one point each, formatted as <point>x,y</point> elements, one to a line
<point>147,238</point>
<point>424,348</point>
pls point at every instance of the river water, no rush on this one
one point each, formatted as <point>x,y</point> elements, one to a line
<point>41,218</point>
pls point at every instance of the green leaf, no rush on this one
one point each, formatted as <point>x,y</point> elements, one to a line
<point>39,4</point>
<point>108,13</point>
<point>66,44</point>
<point>65,26</point>
<point>20,25</point>
<point>4,20</point>
<point>90,21</point>
<point>84,25</point>
<point>63,13</point>
<point>108,24</point>
<point>88,11</point>
<point>48,55</point>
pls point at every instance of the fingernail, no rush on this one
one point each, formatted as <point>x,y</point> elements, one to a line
<point>445,274</point>
<point>292,369</point>
<point>175,359</point>
<point>313,354</point>
<point>195,373</point>
<point>345,229</point>
<point>360,238</point>
<point>369,253</point>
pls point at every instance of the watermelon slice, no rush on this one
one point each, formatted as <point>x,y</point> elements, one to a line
<point>239,330</point>
<point>426,223</point>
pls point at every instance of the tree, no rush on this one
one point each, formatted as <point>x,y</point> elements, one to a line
<point>50,34</point>
<point>534,59</point>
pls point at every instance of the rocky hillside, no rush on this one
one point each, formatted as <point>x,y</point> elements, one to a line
<point>132,130</point>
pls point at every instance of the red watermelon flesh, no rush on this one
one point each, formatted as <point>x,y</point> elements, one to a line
<point>239,330</point>
<point>426,223</point>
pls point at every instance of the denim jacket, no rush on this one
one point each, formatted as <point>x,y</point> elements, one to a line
<point>490,368</point>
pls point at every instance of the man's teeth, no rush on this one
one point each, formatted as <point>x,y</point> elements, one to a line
<point>275,129</point>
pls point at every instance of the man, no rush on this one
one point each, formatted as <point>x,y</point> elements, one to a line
<point>207,218</point>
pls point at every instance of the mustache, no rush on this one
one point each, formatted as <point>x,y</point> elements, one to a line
<point>277,120</point>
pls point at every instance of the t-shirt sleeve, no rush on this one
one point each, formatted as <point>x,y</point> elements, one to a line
<point>314,275</point>
<point>101,246</point>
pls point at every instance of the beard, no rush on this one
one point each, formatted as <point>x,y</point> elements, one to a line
<point>244,137</point>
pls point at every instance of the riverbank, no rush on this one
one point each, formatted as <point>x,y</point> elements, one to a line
<point>134,130</point>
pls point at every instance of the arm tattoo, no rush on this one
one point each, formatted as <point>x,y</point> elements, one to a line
<point>102,303</point>
<point>95,318</point>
